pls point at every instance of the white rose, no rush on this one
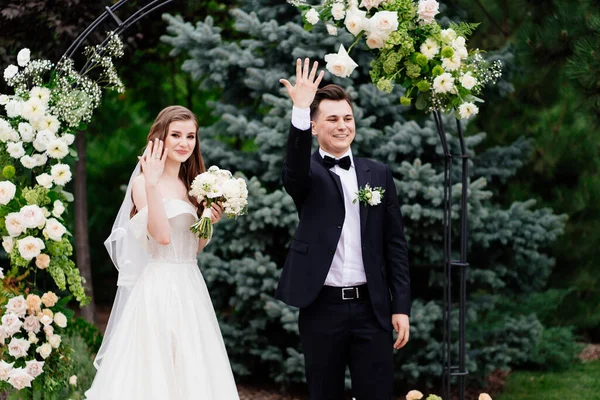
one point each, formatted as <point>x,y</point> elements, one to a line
<point>1,277</point>
<point>10,72</point>
<point>468,81</point>
<point>54,341</point>
<point>5,129</point>
<point>44,180</point>
<point>338,11</point>
<point>19,378</point>
<point>26,131</point>
<point>376,40</point>
<point>7,192</point>
<point>3,99</point>
<point>73,380</point>
<point>5,369</point>
<point>42,139</point>
<point>467,110</point>
<point>46,320</point>
<point>312,16</point>
<point>50,123</point>
<point>34,367</point>
<point>40,159</point>
<point>384,22</point>
<point>340,64</point>
<point>32,216</point>
<point>40,93</point>
<point>33,339</point>
<point>60,320</point>
<point>57,149</point>
<point>443,83</point>
<point>33,109</point>
<point>61,173</point>
<point>332,29</point>
<point>448,35</point>
<point>15,150</point>
<point>356,20</point>
<point>462,52</point>
<point>17,305</point>
<point>68,139</point>
<point>23,57</point>
<point>58,209</point>
<point>11,323</point>
<point>18,347</point>
<point>452,63</point>
<point>3,335</point>
<point>44,350</point>
<point>427,10</point>
<point>32,324</point>
<point>14,224</point>
<point>368,4</point>
<point>430,48</point>
<point>28,162</point>
<point>458,43</point>
<point>13,108</point>
<point>8,243</point>
<point>30,247</point>
<point>48,329</point>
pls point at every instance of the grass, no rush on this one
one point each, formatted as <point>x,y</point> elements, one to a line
<point>581,382</point>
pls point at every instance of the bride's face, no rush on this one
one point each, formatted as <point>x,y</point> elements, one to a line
<point>181,140</point>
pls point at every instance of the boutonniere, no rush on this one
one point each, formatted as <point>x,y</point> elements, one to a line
<point>369,196</point>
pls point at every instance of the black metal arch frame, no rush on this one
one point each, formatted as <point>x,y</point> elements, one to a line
<point>450,369</point>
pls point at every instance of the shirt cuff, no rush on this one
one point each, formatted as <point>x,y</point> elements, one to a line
<point>301,118</point>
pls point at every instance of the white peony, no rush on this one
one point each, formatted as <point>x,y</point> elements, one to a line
<point>54,341</point>
<point>33,109</point>
<point>448,35</point>
<point>452,63</point>
<point>42,139</point>
<point>8,242</point>
<point>468,81</point>
<point>340,64</point>
<point>23,57</point>
<point>34,367</point>
<point>28,162</point>
<point>58,209</point>
<point>13,108</point>
<point>54,230</point>
<point>368,4</point>
<point>15,150</point>
<point>19,378</point>
<point>356,20</point>
<point>3,99</point>
<point>32,216</point>
<point>11,323</point>
<point>376,40</point>
<point>44,350</point>
<point>14,224</point>
<point>7,192</point>
<point>18,347</point>
<point>61,173</point>
<point>467,110</point>
<point>312,16</point>
<point>26,132</point>
<point>443,83</point>
<point>430,48</point>
<point>332,29</point>
<point>40,93</point>
<point>17,305</point>
<point>338,11</point>
<point>5,369</point>
<point>32,324</point>
<point>49,123</point>
<point>57,149</point>
<point>427,10</point>
<point>5,129</point>
<point>384,22</point>
<point>10,72</point>
<point>30,247</point>
<point>375,198</point>
<point>44,180</point>
<point>39,159</point>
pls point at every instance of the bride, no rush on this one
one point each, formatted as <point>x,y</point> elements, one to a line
<point>163,340</point>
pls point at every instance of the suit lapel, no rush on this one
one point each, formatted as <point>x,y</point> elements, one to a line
<point>317,157</point>
<point>363,176</point>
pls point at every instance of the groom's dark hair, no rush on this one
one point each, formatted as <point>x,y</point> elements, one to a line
<point>329,92</point>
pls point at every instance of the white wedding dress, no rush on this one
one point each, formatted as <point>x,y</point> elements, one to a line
<point>167,345</point>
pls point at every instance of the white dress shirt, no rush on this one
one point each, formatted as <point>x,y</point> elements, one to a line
<point>347,268</point>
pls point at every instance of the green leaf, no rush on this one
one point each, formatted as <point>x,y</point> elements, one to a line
<point>422,102</point>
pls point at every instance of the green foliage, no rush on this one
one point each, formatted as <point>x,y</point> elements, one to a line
<point>556,349</point>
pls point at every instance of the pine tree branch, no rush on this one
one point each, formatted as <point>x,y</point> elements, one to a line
<point>491,18</point>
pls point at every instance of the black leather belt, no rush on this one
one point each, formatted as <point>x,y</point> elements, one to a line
<point>344,294</point>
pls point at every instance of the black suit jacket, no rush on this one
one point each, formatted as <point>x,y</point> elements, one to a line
<point>317,194</point>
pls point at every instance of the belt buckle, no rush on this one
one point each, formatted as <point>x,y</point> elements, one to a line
<point>355,289</point>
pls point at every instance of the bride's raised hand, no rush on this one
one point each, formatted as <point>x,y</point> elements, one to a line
<point>153,161</point>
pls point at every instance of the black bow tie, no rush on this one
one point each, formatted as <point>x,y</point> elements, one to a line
<point>344,162</point>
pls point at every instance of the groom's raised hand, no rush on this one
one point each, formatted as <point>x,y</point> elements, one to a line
<point>303,93</point>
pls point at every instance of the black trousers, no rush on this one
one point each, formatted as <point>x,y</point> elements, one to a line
<point>336,335</point>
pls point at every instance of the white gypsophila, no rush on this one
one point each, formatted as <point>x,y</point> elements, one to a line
<point>26,132</point>
<point>44,180</point>
<point>5,369</point>
<point>451,64</point>
<point>39,159</point>
<point>13,108</point>
<point>368,4</point>
<point>30,247</point>
<point>33,109</point>
<point>19,378</point>
<point>15,150</point>
<point>40,93</point>
<point>468,81</point>
<point>312,16</point>
<point>430,48</point>
<point>14,224</point>
<point>59,208</point>
<point>4,99</point>
<point>384,22</point>
<point>17,305</point>
<point>32,216</point>
<point>8,242</point>
<point>57,149</point>
<point>7,192</point>
<point>340,64</point>
<point>42,139</point>
<point>338,11</point>
<point>332,29</point>
<point>18,347</point>
<point>443,83</point>
<point>68,138</point>
<point>448,35</point>
<point>54,341</point>
<point>61,173</point>
<point>356,20</point>
<point>376,40</point>
<point>23,57</point>
<point>33,339</point>
<point>60,320</point>
<point>10,72</point>
<point>31,324</point>
<point>28,162</point>
<point>50,123</point>
<point>34,367</point>
<point>44,350</point>
<point>467,110</point>
<point>54,230</point>
<point>427,11</point>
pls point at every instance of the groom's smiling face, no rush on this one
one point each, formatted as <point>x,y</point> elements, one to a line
<point>334,126</point>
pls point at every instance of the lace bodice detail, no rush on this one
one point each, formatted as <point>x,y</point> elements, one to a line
<point>184,244</point>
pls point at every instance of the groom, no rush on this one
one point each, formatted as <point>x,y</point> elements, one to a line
<point>347,268</point>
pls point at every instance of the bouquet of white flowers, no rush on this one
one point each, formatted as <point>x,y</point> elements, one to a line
<point>218,185</point>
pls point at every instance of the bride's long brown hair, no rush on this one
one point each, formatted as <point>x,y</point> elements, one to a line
<point>194,165</point>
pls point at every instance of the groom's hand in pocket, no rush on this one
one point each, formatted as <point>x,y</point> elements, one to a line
<point>402,327</point>
<point>303,93</point>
